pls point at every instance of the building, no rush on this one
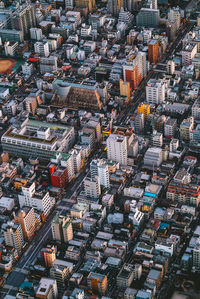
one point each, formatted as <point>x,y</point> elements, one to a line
<point>62,228</point>
<point>170,67</point>
<point>153,51</point>
<point>148,17</point>
<point>47,289</point>
<point>154,278</point>
<point>38,199</point>
<point>117,148</point>
<point>42,48</point>
<point>125,276</point>
<point>60,271</point>
<point>13,236</point>
<point>185,193</point>
<point>170,127</point>
<point>97,282</point>
<point>39,138</point>
<point>188,53</point>
<point>10,48</point>
<point>30,104</point>
<point>90,4</point>
<point>153,157</point>
<point>26,218</point>
<point>125,89</point>
<point>196,256</point>
<point>139,123</point>
<point>144,108</point>
<point>186,128</point>
<point>27,69</point>
<point>196,109</point>
<point>100,168</point>
<point>155,91</point>
<point>49,255</point>
<point>48,64</point>
<point>92,187</point>
<point>174,15</point>
<point>36,33</point>
<point>157,139</point>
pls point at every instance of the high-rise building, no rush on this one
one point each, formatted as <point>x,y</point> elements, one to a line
<point>13,236</point>
<point>148,17</point>
<point>26,218</point>
<point>139,123</point>
<point>153,51</point>
<point>155,91</point>
<point>186,127</point>
<point>170,127</point>
<point>62,228</point>
<point>196,109</point>
<point>117,148</point>
<point>23,18</point>
<point>42,48</point>
<point>114,6</point>
<point>174,15</point>
<point>49,255</point>
<point>92,187</point>
<point>196,256</point>
<point>90,4</point>
<point>170,67</point>
<point>152,4</point>
<point>36,33</point>
<point>157,139</point>
<point>144,108</point>
<point>125,89</point>
<point>69,4</point>
<point>100,168</point>
<point>47,289</point>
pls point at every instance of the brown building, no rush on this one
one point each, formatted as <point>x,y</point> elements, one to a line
<point>153,51</point>
<point>90,4</point>
<point>26,218</point>
<point>49,255</point>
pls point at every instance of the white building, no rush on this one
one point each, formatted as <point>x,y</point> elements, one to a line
<point>157,139</point>
<point>136,217</point>
<point>13,235</point>
<point>170,67</point>
<point>86,30</point>
<point>38,200</point>
<point>36,33</point>
<point>69,3</point>
<point>196,256</point>
<point>196,109</point>
<point>153,157</point>
<point>42,48</point>
<point>10,48</point>
<point>47,288</point>
<point>92,187</point>
<point>117,148</point>
<point>100,168</point>
<point>27,69</point>
<point>155,91</point>
<point>165,245</point>
<point>188,53</point>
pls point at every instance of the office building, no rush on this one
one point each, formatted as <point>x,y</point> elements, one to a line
<point>37,139</point>
<point>47,289</point>
<point>114,6</point>
<point>97,282</point>
<point>100,168</point>
<point>174,15</point>
<point>117,148</point>
<point>26,218</point>
<point>69,4</point>
<point>145,109</point>
<point>13,236</point>
<point>48,64</point>
<point>62,228</point>
<point>92,187</point>
<point>153,157</point>
<point>152,4</point>
<point>170,67</point>
<point>188,53</point>
<point>36,33</point>
<point>153,51</point>
<point>148,17</point>
<point>42,48</point>
<point>186,128</point>
<point>49,255</point>
<point>170,127</point>
<point>155,91</point>
<point>38,199</point>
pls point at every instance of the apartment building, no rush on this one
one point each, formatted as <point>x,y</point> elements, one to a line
<point>188,53</point>
<point>13,236</point>
<point>26,218</point>
<point>47,289</point>
<point>155,91</point>
<point>99,168</point>
<point>92,187</point>
<point>117,148</point>
<point>62,228</point>
<point>49,255</point>
<point>42,48</point>
<point>170,127</point>
<point>97,282</point>
<point>153,157</point>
